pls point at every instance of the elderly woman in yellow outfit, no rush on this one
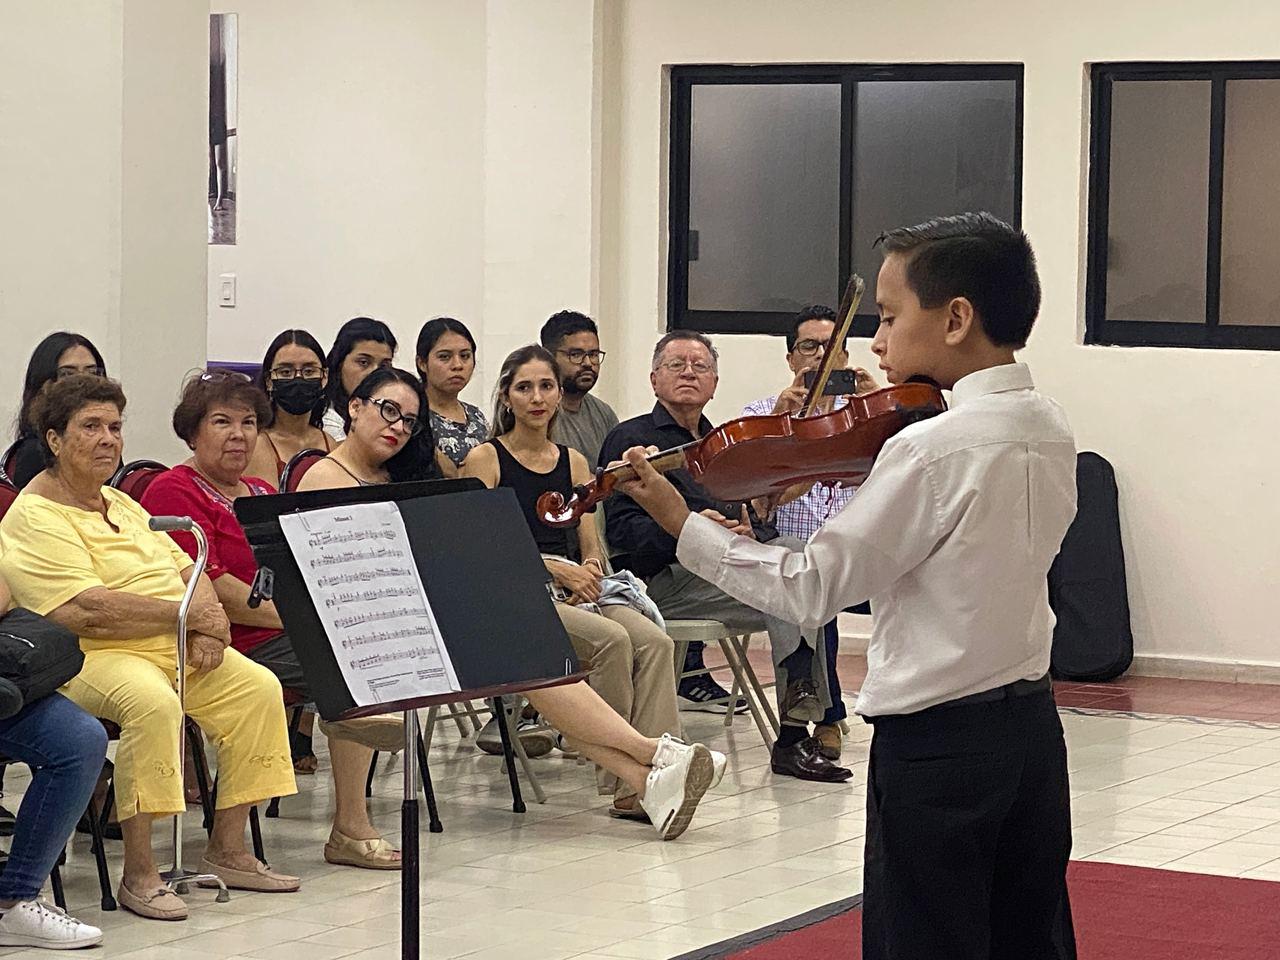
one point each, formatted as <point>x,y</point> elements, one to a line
<point>82,555</point>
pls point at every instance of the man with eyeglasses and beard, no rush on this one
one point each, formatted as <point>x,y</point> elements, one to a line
<point>583,421</point>
<point>684,378</point>
<point>811,331</point>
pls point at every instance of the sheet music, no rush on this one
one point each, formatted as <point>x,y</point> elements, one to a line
<point>360,572</point>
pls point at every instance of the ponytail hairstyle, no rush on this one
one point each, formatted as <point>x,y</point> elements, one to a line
<point>504,420</point>
<point>416,460</point>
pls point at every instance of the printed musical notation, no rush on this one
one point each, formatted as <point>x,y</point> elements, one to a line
<point>359,570</point>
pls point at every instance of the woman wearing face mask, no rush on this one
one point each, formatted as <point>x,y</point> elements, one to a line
<point>293,378</point>
<point>361,346</point>
<point>446,358</point>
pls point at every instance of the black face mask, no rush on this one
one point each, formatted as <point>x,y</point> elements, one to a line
<point>296,396</point>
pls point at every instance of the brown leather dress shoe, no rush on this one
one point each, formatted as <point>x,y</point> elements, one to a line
<point>800,702</point>
<point>830,740</point>
<point>803,761</point>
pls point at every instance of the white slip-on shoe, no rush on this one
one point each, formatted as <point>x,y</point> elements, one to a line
<point>672,792</point>
<point>672,748</point>
<point>34,923</point>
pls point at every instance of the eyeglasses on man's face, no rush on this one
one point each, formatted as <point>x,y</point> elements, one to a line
<point>593,357</point>
<point>392,414</point>
<point>678,365</point>
<point>308,371</point>
<point>811,348</point>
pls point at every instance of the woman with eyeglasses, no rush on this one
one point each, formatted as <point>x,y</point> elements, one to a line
<point>294,379</point>
<point>446,360</point>
<point>57,355</point>
<point>361,346</point>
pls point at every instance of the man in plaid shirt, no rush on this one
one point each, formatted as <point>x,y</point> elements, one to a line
<point>811,331</point>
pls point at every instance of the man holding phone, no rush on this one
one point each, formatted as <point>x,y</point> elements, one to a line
<point>807,340</point>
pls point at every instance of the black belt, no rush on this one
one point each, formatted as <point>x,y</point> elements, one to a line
<point>1019,688</point>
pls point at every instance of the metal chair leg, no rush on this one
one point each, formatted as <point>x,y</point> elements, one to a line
<point>55,881</point>
<point>730,655</point>
<point>100,851</point>
<point>201,763</point>
<point>458,718</point>
<point>368,783</point>
<point>255,832</point>
<point>742,646</point>
<point>517,801</point>
<point>510,721</point>
<point>433,813</point>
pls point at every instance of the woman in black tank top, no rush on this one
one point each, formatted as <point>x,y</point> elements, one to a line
<point>521,456</point>
<point>631,657</point>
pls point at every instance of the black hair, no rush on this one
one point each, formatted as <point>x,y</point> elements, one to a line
<point>416,460</point>
<point>815,311</point>
<point>42,368</point>
<point>504,419</point>
<point>565,324</point>
<point>349,334</point>
<point>301,338</point>
<point>979,257</point>
<point>433,330</point>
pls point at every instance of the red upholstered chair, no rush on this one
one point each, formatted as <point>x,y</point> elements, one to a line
<point>298,465</point>
<point>134,478</point>
<point>8,494</point>
<point>7,462</point>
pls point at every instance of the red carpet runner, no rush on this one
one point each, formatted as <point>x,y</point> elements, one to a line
<point>1121,913</point>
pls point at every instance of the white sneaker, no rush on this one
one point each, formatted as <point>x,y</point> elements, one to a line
<point>672,748</point>
<point>672,792</point>
<point>34,923</point>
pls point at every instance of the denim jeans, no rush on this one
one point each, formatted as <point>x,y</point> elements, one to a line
<point>837,711</point>
<point>64,747</point>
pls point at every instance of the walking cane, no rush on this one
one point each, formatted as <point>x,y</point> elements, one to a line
<point>179,878</point>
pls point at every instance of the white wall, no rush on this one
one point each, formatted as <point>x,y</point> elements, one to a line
<point>1186,429</point>
<point>361,170</point>
<point>101,175</point>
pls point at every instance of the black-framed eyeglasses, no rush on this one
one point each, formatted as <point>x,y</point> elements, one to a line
<point>810,348</point>
<point>309,371</point>
<point>95,371</point>
<point>391,413</point>
<point>594,357</point>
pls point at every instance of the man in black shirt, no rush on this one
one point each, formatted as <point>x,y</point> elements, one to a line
<point>684,377</point>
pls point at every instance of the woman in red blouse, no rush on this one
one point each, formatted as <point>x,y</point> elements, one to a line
<point>218,417</point>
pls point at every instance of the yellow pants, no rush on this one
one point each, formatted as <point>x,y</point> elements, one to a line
<point>238,706</point>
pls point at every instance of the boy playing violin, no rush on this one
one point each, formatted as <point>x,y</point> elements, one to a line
<point>951,536</point>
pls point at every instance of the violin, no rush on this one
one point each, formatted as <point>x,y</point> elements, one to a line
<point>765,456</point>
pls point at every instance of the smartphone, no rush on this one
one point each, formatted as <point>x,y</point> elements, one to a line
<point>841,383</point>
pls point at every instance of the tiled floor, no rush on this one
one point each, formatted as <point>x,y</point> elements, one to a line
<point>565,881</point>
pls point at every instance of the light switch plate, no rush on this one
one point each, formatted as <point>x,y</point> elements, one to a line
<point>227,290</point>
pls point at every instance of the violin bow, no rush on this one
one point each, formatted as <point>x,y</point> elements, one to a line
<point>853,292</point>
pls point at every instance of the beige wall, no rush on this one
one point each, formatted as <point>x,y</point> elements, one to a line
<point>361,170</point>
<point>1186,429</point>
<point>102,104</point>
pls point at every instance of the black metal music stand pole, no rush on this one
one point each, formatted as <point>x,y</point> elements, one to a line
<point>409,928</point>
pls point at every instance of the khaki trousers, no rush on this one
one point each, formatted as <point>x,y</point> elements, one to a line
<point>630,669</point>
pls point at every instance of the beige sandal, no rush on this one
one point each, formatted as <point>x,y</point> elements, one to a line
<point>375,854</point>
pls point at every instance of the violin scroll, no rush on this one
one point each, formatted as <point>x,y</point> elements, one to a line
<point>556,511</point>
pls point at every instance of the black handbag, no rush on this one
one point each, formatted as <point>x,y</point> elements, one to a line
<point>36,657</point>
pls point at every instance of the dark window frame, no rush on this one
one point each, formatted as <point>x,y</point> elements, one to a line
<point>847,76</point>
<point>1147,333</point>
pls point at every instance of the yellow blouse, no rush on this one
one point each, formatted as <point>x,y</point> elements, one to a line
<point>50,553</point>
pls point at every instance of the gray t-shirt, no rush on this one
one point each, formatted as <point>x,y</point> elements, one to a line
<point>585,430</point>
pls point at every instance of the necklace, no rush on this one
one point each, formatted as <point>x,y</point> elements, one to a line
<point>220,487</point>
<point>350,473</point>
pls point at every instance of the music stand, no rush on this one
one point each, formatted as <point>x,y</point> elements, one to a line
<point>486,582</point>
